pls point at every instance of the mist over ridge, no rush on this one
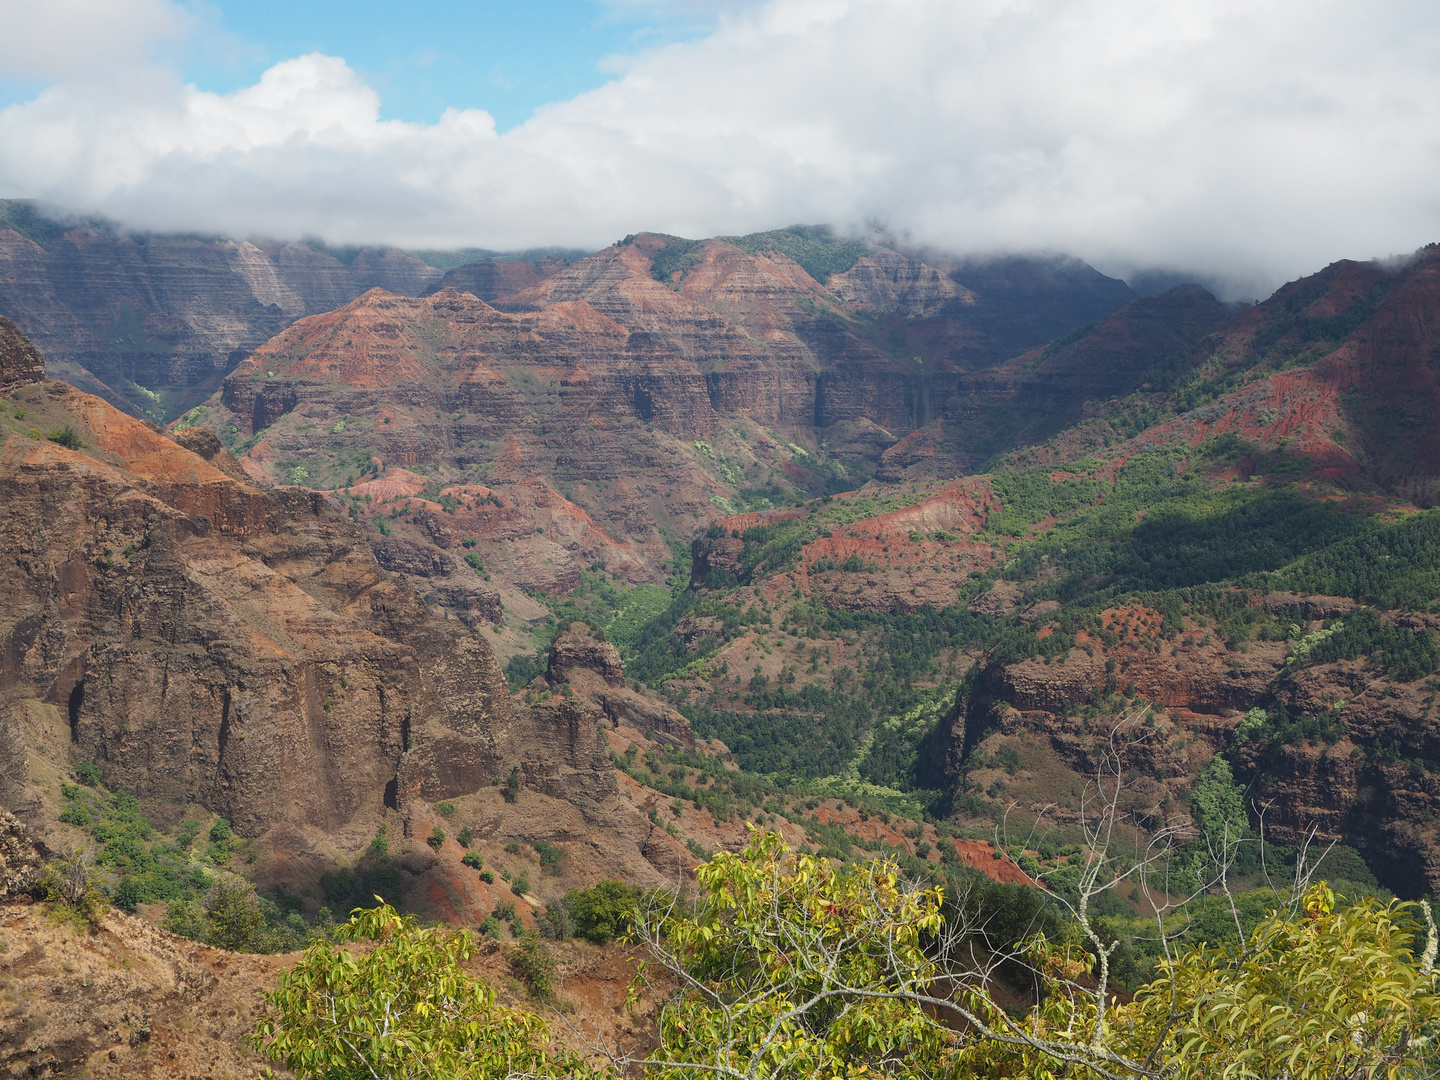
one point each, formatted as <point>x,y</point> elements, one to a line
<point>1248,147</point>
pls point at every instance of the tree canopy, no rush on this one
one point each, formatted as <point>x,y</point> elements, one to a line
<point>783,964</point>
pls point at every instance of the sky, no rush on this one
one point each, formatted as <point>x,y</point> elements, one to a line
<point>1244,142</point>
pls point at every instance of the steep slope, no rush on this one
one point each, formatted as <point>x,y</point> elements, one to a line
<point>617,403</point>
<point>207,642</point>
<point>1341,366</point>
<point>1249,573</point>
<point>153,323</point>
<point>1147,344</point>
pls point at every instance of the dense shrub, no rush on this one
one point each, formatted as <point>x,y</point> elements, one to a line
<point>604,911</point>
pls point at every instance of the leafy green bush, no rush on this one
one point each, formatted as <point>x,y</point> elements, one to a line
<point>233,910</point>
<point>521,668</point>
<point>130,847</point>
<point>67,437</point>
<point>88,773</point>
<point>474,860</point>
<point>127,895</point>
<point>534,964</point>
<point>604,911</point>
<point>1399,651</point>
<point>521,885</point>
<point>70,885</point>
<point>439,1020</point>
<point>556,922</point>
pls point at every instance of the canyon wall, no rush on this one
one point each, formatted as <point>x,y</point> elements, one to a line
<point>206,641</point>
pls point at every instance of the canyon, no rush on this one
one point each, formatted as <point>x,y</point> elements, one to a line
<point>620,555</point>
<point>204,641</point>
<point>1288,441</point>
<point>152,323</point>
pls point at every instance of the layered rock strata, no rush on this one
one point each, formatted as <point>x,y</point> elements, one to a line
<point>206,641</point>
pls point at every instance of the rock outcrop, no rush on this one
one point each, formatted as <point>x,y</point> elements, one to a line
<point>589,669</point>
<point>206,641</point>
<point>20,362</point>
<point>21,858</point>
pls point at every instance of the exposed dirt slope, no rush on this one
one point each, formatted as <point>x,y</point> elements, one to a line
<point>130,1000</point>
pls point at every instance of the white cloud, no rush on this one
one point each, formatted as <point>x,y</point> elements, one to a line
<point>50,39</point>
<point>1252,141</point>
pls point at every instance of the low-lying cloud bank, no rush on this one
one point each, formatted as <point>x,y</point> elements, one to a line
<point>1251,142</point>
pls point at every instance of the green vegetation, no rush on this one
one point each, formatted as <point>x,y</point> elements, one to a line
<point>817,730</point>
<point>678,255</point>
<point>787,965</point>
<point>375,874</point>
<point>615,611</point>
<point>777,934</point>
<point>1031,495</point>
<point>409,1007</point>
<point>814,247</point>
<point>26,218</point>
<point>67,437</point>
<point>1399,651</point>
<point>186,873</point>
<point>70,885</point>
<point>1161,533</point>
<point>603,912</point>
<point>231,915</point>
<point>150,869</point>
<point>534,964</point>
<point>551,857</point>
<point>1390,564</point>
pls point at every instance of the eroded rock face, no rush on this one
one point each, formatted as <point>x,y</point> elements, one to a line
<point>15,792</point>
<point>586,395</point>
<point>21,858</point>
<point>203,640</point>
<point>174,313</point>
<point>1385,803</point>
<point>576,649</point>
<point>20,362</point>
<point>591,670</point>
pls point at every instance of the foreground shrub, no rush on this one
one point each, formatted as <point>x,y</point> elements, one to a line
<point>790,966</point>
<point>407,1008</point>
<point>534,964</point>
<point>603,912</point>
